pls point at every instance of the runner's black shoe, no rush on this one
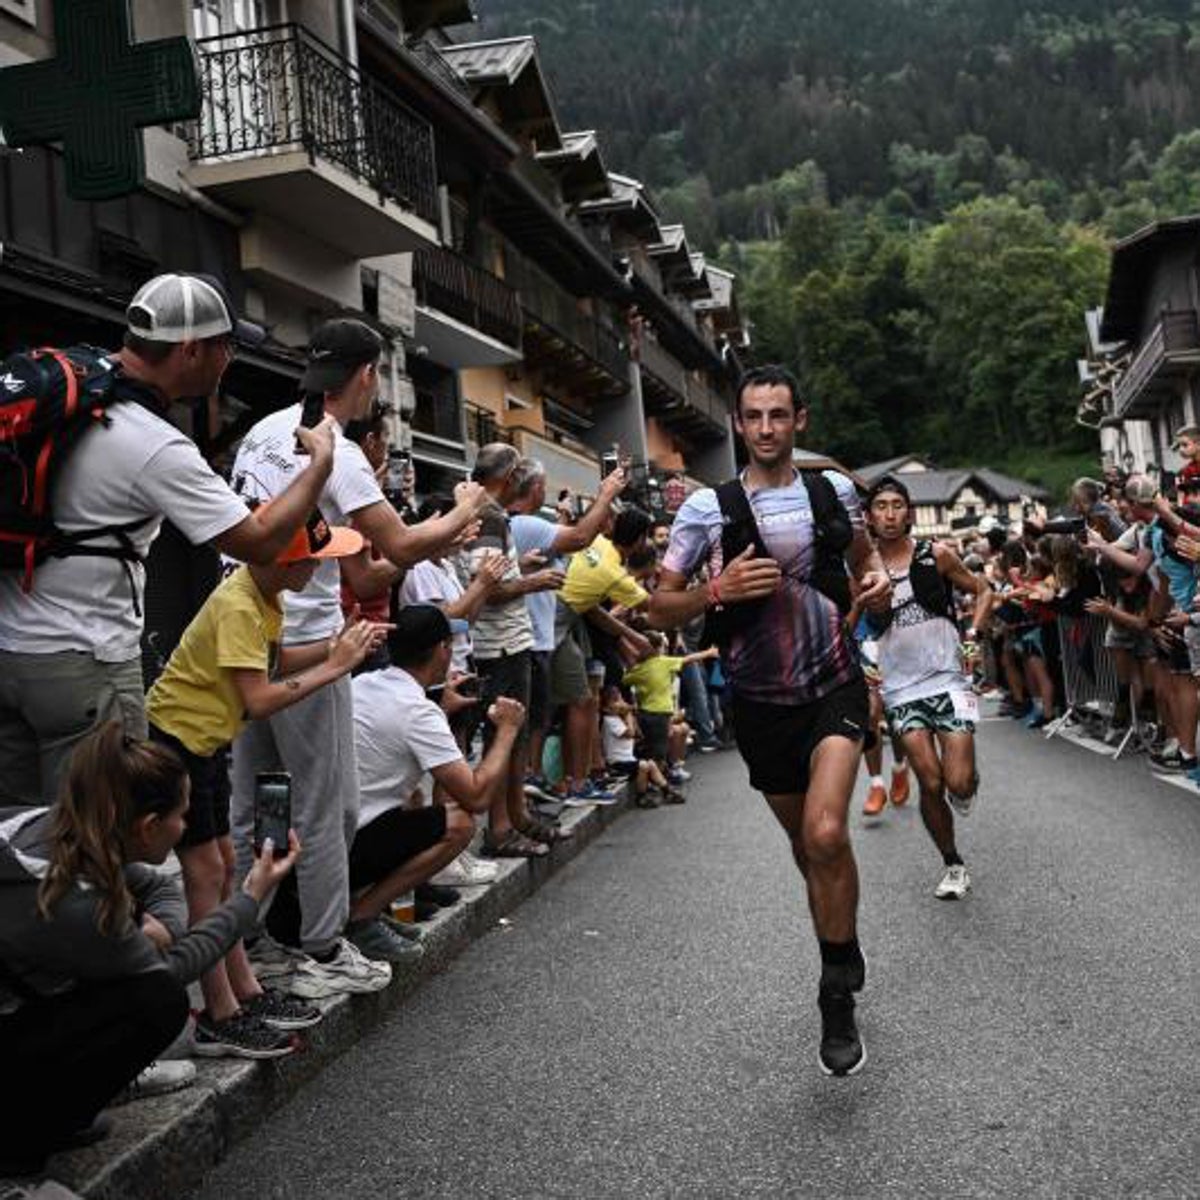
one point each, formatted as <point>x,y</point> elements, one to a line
<point>842,1051</point>
<point>845,977</point>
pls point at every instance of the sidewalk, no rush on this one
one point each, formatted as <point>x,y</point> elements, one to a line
<point>161,1147</point>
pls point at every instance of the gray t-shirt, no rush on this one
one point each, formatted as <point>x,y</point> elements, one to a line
<point>139,467</point>
<point>503,627</point>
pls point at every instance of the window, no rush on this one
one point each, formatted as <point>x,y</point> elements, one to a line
<point>212,18</point>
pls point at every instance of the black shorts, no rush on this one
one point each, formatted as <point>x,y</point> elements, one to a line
<point>391,839</point>
<point>777,740</point>
<point>208,809</point>
<point>540,707</point>
<point>509,676</point>
<point>656,733</point>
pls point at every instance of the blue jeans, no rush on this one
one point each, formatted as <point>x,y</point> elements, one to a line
<point>694,693</point>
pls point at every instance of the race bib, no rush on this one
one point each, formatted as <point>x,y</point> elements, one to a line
<point>966,706</point>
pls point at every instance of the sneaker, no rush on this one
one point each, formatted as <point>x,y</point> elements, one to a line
<point>842,1051</point>
<point>1169,762</point>
<point>466,871</point>
<point>158,1079</point>
<point>709,747</point>
<point>347,972</point>
<point>588,794</point>
<point>876,801</point>
<point>240,1036</point>
<point>538,788</point>
<point>282,1011</point>
<point>677,774</point>
<point>406,929</point>
<point>272,960</point>
<point>381,944</point>
<point>955,883</point>
<point>899,793</point>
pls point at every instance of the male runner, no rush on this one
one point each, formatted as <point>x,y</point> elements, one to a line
<point>926,692</point>
<point>799,701</point>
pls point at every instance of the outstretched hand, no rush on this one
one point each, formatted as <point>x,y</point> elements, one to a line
<point>268,871</point>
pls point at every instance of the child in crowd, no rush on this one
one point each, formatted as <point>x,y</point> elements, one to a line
<point>653,681</point>
<point>228,667</point>
<point>95,948</point>
<point>620,734</point>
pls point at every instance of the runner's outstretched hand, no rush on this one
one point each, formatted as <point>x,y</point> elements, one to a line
<point>748,578</point>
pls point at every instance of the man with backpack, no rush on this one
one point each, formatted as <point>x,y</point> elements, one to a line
<point>926,689</point>
<point>89,468</point>
<point>778,544</point>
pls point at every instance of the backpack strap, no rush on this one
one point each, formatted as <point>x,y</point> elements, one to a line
<point>832,535</point>
<point>930,589</point>
<point>739,528</point>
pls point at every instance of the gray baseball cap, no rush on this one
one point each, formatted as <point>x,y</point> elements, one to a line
<point>186,308</point>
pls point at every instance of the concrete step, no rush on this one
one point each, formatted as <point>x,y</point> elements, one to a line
<point>163,1146</point>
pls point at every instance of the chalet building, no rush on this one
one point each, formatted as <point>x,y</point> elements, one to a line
<point>953,501</point>
<point>365,159</point>
<point>1142,375</point>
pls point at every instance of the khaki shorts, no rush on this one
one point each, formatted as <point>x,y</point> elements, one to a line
<point>572,649</point>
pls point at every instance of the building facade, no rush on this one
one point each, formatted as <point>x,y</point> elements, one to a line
<point>364,158</point>
<point>1141,378</point>
<point>947,503</point>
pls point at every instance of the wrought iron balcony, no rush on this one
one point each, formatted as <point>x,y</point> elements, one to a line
<point>451,284</point>
<point>584,351</point>
<point>278,94</point>
<point>1170,352</point>
<point>482,426</point>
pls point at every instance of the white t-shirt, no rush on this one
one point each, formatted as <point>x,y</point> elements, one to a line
<point>536,533</point>
<point>399,734</point>
<point>430,582</point>
<point>139,467</point>
<point>618,745</point>
<point>266,464</point>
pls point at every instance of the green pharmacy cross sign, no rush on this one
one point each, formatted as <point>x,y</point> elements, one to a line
<point>97,94</point>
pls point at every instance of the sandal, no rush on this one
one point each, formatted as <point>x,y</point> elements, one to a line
<point>513,845</point>
<point>544,832</point>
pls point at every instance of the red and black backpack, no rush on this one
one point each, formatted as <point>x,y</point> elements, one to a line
<point>49,399</point>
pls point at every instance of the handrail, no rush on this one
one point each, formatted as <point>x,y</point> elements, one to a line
<point>281,87</point>
<point>457,287</point>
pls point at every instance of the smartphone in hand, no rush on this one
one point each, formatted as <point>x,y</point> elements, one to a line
<point>272,810</point>
<point>312,413</point>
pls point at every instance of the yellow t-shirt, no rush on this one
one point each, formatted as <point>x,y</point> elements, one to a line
<point>653,678</point>
<point>195,698</point>
<point>597,574</point>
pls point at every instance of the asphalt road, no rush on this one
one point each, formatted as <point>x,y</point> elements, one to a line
<point>647,1025</point>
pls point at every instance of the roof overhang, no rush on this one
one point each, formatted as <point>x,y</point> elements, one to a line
<point>579,167</point>
<point>628,206</point>
<point>1132,260</point>
<point>508,71</point>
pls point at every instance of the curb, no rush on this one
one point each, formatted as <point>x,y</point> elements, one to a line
<point>162,1147</point>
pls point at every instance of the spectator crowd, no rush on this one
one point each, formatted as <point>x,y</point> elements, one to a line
<point>372,697</point>
<point>376,696</point>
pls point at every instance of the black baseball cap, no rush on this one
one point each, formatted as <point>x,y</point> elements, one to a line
<point>338,349</point>
<point>888,483</point>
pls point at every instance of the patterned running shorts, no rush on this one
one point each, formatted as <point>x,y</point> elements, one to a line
<point>939,714</point>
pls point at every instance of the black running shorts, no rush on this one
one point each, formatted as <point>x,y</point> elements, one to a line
<point>777,740</point>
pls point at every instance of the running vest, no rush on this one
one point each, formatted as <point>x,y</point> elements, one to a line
<point>832,535</point>
<point>930,590</point>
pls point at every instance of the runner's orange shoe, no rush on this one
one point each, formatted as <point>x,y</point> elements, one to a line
<point>899,795</point>
<point>876,800</point>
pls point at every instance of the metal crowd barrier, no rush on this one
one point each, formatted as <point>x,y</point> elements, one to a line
<point>1090,680</point>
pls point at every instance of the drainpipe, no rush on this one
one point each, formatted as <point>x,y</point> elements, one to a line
<point>205,204</point>
<point>346,19</point>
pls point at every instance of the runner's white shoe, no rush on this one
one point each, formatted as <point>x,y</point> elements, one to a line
<point>954,885</point>
<point>349,971</point>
